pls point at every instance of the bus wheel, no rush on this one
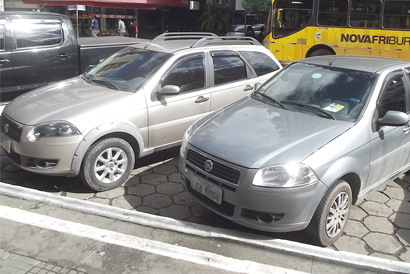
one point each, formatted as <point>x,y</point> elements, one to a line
<point>320,52</point>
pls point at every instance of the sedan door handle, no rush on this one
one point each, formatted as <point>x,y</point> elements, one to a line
<point>248,88</point>
<point>201,99</point>
<point>3,61</point>
<point>63,56</point>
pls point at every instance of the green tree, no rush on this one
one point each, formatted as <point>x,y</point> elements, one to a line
<point>261,12</point>
<point>214,19</point>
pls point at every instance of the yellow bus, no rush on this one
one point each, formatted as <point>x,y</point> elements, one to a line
<point>303,28</point>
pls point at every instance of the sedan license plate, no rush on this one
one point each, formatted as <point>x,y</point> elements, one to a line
<point>209,190</point>
<point>5,143</point>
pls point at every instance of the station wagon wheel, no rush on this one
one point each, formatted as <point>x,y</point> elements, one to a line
<point>107,164</point>
<point>330,218</point>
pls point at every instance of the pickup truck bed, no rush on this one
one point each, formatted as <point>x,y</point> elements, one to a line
<point>37,48</point>
<point>95,49</point>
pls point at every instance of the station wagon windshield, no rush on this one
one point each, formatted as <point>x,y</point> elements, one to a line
<point>327,91</point>
<point>127,69</point>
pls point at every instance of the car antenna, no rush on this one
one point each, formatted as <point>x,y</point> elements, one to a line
<point>41,7</point>
<point>331,62</point>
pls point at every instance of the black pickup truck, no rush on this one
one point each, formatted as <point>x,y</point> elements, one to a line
<point>37,48</point>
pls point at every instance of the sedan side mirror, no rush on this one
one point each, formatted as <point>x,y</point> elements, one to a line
<point>393,118</point>
<point>169,90</point>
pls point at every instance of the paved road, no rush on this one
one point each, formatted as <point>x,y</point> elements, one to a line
<point>379,227</point>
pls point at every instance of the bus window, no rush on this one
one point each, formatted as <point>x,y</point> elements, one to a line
<point>397,15</point>
<point>291,16</point>
<point>359,27</point>
<point>365,13</point>
<point>332,12</point>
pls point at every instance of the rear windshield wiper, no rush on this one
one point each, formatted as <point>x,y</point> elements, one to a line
<point>268,97</point>
<point>317,109</point>
<point>106,83</point>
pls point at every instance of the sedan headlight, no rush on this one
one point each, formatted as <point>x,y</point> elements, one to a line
<point>52,130</point>
<point>185,141</point>
<point>286,175</point>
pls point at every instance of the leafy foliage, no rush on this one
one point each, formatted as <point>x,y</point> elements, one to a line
<point>214,19</point>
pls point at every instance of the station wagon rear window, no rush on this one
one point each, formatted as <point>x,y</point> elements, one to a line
<point>260,62</point>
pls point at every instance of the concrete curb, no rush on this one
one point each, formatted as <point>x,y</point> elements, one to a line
<point>343,257</point>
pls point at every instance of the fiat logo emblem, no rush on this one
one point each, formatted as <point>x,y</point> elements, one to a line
<point>6,128</point>
<point>208,165</point>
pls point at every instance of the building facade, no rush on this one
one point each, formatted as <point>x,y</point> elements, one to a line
<point>153,16</point>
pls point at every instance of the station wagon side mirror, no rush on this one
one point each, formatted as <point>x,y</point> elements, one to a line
<point>393,118</point>
<point>169,90</point>
<point>257,86</point>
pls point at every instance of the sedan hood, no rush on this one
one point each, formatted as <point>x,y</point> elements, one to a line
<point>60,101</point>
<point>254,134</point>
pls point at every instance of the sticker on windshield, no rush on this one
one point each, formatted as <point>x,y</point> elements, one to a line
<point>334,107</point>
<point>316,75</point>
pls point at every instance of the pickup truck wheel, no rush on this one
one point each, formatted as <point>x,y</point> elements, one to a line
<point>330,218</point>
<point>107,164</point>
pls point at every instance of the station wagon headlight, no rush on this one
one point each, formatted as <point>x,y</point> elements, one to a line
<point>286,175</point>
<point>52,130</point>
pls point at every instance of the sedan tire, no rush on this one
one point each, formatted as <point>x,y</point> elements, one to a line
<point>330,218</point>
<point>107,164</point>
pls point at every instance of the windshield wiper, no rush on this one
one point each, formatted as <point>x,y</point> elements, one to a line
<point>106,83</point>
<point>87,78</point>
<point>269,98</point>
<point>310,107</point>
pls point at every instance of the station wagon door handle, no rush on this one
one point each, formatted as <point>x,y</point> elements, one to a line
<point>248,88</point>
<point>63,56</point>
<point>406,129</point>
<point>201,99</point>
<point>3,61</point>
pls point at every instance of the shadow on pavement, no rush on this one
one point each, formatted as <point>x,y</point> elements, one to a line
<point>400,201</point>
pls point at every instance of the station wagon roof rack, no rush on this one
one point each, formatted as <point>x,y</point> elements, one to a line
<point>183,35</point>
<point>225,40</point>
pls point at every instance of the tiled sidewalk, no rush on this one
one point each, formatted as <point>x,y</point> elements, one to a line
<point>11,263</point>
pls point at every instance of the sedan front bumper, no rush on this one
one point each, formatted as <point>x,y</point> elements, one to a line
<point>261,208</point>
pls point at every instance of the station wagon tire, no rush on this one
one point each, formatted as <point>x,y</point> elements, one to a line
<point>330,218</point>
<point>321,52</point>
<point>107,164</point>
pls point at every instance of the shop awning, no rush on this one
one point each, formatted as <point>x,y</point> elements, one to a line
<point>126,4</point>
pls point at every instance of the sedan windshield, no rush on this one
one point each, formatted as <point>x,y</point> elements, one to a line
<point>324,90</point>
<point>127,69</point>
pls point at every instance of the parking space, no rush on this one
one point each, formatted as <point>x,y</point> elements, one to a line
<point>380,226</point>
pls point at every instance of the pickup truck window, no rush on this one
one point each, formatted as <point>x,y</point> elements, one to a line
<point>37,34</point>
<point>2,28</point>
